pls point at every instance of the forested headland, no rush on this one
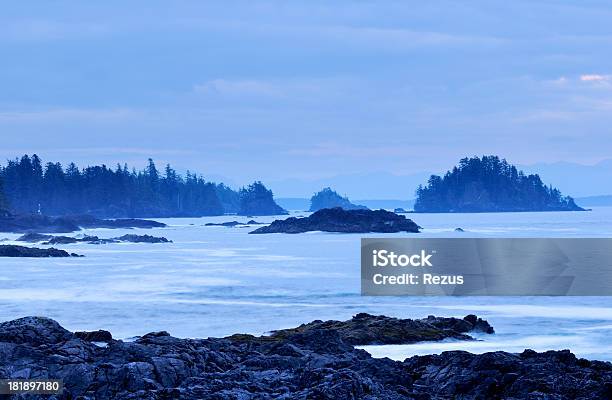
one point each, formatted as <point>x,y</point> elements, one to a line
<point>489,184</point>
<point>29,186</point>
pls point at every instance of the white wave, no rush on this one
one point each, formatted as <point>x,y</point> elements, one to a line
<point>526,310</point>
<point>538,343</point>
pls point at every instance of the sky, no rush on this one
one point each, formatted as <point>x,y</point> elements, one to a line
<point>295,91</point>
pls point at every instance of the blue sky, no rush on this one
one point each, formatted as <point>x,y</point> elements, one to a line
<point>305,90</point>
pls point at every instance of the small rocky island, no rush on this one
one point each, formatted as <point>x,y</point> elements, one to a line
<point>313,361</point>
<point>328,198</point>
<point>343,221</point>
<point>489,184</point>
<point>233,224</point>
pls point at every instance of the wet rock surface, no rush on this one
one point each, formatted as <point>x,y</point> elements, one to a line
<point>95,336</point>
<point>313,361</point>
<point>343,221</point>
<point>366,329</point>
<point>22,251</point>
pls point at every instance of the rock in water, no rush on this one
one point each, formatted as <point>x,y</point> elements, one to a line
<point>366,329</point>
<point>22,251</point>
<point>345,221</point>
<point>86,221</point>
<point>53,240</point>
<point>228,224</point>
<point>313,361</point>
<point>142,239</point>
<point>233,224</point>
<point>34,238</point>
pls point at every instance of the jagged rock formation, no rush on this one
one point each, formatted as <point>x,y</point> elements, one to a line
<point>233,224</point>
<point>53,240</point>
<point>22,251</point>
<point>345,221</point>
<point>313,361</point>
<point>328,198</point>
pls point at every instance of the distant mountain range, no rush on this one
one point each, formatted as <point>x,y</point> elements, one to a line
<point>576,180</point>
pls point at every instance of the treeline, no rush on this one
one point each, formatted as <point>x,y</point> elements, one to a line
<point>489,184</point>
<point>28,186</point>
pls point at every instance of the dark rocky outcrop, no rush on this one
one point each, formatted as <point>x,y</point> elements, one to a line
<point>328,198</point>
<point>314,361</point>
<point>53,240</point>
<point>95,336</point>
<point>87,221</point>
<point>365,329</point>
<point>41,223</point>
<point>34,238</point>
<point>232,224</point>
<point>142,239</point>
<point>22,251</point>
<point>345,221</point>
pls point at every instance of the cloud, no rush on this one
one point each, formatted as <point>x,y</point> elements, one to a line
<point>595,78</point>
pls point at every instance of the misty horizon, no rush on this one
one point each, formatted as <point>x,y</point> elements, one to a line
<point>576,180</point>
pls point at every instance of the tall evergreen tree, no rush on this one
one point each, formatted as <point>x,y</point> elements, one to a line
<point>4,207</point>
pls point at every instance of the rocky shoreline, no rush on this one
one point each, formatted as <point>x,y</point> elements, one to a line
<point>313,361</point>
<point>33,252</point>
<point>26,223</point>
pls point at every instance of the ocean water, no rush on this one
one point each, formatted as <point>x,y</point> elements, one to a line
<point>216,281</point>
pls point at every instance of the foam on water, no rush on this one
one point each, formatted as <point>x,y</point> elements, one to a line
<point>582,346</point>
